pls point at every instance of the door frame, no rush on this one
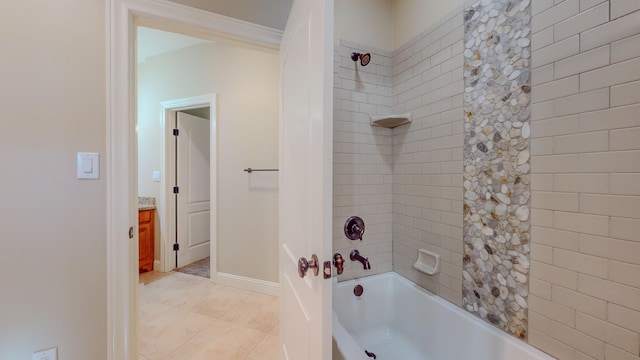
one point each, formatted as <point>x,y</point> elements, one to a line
<point>168,110</point>
<point>122,18</point>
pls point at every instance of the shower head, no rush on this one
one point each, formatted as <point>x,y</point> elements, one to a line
<point>364,58</point>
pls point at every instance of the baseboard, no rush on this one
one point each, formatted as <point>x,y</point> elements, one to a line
<point>156,265</point>
<point>242,282</point>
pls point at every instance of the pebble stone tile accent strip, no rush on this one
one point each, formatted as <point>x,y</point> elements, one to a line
<point>496,162</point>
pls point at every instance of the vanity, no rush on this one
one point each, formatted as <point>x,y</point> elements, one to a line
<point>146,234</point>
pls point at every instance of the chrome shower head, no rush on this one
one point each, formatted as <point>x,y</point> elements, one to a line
<point>364,58</point>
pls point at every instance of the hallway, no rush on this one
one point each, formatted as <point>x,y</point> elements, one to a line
<point>187,317</point>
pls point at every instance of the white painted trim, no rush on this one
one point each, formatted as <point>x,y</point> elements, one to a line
<point>246,283</point>
<point>168,108</point>
<point>156,265</point>
<point>122,325</point>
<point>121,156</point>
<point>203,24</point>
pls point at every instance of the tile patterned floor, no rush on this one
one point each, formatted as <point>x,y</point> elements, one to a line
<point>187,317</point>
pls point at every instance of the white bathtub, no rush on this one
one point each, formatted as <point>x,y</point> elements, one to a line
<point>396,319</point>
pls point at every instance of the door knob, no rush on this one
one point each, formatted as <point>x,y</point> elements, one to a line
<point>304,265</point>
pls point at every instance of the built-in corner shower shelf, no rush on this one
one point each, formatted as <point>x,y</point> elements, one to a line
<point>391,121</point>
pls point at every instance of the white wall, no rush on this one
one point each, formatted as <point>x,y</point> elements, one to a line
<point>52,226</point>
<point>366,22</point>
<point>246,82</point>
<point>411,17</point>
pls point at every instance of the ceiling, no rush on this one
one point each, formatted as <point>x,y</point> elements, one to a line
<point>270,13</point>
<point>152,42</point>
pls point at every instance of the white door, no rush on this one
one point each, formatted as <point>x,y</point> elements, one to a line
<point>306,178</point>
<point>193,199</point>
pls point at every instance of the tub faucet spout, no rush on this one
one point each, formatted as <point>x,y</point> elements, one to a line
<point>355,256</point>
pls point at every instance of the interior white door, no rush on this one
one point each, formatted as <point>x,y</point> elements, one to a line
<point>306,178</point>
<point>193,205</point>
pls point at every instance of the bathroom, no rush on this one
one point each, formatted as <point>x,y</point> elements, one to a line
<point>584,221</point>
<point>574,144</point>
<point>409,183</point>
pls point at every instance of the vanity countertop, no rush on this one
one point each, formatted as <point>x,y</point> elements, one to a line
<point>146,203</point>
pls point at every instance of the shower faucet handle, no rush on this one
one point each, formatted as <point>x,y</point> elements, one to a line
<point>354,228</point>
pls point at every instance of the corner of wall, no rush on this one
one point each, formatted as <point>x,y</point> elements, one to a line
<point>427,172</point>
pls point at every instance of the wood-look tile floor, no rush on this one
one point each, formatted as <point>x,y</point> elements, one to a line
<point>187,317</point>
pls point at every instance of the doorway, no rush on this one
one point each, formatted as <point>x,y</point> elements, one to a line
<point>184,224</point>
<point>245,79</point>
<point>190,187</point>
<point>123,18</point>
<point>191,170</point>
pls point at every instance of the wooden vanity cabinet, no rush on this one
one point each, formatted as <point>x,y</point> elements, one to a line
<point>146,232</point>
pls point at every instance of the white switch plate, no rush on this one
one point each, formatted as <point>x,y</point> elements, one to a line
<point>88,165</point>
<point>49,354</point>
<point>156,175</point>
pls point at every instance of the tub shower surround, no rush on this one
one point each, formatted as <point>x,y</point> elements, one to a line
<point>496,162</point>
<point>362,157</point>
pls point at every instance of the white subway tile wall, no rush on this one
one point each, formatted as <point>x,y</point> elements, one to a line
<point>406,183</point>
<point>362,158</point>
<point>427,155</point>
<point>585,251</point>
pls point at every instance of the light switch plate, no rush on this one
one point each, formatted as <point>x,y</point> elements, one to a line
<point>49,354</point>
<point>156,175</point>
<point>88,165</point>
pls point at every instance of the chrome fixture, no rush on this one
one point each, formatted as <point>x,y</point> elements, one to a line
<point>355,256</point>
<point>364,58</point>
<point>354,228</point>
<point>338,262</point>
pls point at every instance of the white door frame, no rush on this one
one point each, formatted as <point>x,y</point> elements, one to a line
<point>122,17</point>
<point>168,109</point>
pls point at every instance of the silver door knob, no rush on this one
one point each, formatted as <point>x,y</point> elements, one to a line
<point>304,265</point>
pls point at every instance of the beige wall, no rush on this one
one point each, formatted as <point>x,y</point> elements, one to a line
<point>411,17</point>
<point>364,22</point>
<point>52,226</point>
<point>387,24</point>
<point>246,82</point>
